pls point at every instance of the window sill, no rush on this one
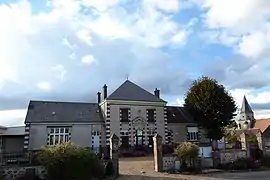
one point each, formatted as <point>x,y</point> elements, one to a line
<point>124,121</point>
<point>193,140</point>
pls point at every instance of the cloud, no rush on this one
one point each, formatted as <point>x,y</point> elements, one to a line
<point>48,50</point>
<point>44,86</point>
<point>12,117</point>
<point>89,59</point>
<point>245,23</point>
<point>60,70</point>
<point>53,43</point>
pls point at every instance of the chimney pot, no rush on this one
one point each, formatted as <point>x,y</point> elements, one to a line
<point>99,97</point>
<point>104,94</point>
<point>157,92</point>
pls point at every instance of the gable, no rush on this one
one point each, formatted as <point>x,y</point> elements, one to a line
<point>129,91</point>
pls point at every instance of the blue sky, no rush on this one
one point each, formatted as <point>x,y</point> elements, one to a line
<point>67,49</point>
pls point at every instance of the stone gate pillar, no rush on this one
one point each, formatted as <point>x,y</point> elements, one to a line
<point>158,156</point>
<point>261,142</point>
<point>114,153</point>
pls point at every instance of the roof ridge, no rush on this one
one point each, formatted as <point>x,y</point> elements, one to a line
<point>55,101</point>
<point>130,91</point>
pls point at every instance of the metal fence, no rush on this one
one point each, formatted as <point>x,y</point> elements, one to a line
<point>13,158</point>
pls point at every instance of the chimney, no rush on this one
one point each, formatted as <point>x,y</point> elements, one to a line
<point>104,94</point>
<point>99,97</point>
<point>157,92</point>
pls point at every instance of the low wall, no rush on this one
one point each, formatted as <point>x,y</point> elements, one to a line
<point>169,162</point>
<point>231,155</point>
<point>13,172</point>
<point>9,173</point>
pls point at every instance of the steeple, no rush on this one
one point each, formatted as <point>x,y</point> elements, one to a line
<point>245,106</point>
<point>246,116</point>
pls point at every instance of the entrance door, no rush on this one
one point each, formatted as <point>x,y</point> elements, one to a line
<point>139,137</point>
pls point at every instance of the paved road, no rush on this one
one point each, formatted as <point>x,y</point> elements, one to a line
<point>252,175</point>
<point>143,169</point>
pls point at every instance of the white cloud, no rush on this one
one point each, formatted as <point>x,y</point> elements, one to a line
<point>244,22</point>
<point>61,71</point>
<point>100,5</point>
<point>44,86</point>
<point>255,44</point>
<point>89,59</point>
<point>12,117</point>
<point>180,38</point>
<point>167,6</point>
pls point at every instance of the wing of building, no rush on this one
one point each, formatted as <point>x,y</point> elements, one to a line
<point>131,112</point>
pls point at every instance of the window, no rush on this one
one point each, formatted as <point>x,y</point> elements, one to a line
<point>58,135</point>
<point>193,134</point>
<point>170,137</point>
<point>124,114</point>
<point>150,115</point>
<point>139,137</point>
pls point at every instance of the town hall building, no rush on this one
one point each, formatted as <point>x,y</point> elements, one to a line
<point>132,113</point>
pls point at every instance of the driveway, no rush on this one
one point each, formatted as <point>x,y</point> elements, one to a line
<point>142,168</point>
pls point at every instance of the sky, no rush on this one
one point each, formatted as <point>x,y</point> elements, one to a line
<point>66,50</point>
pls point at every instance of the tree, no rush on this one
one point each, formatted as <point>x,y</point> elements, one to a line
<point>211,106</point>
<point>66,161</point>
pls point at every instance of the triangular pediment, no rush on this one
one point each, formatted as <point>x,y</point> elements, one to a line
<point>139,119</point>
<point>129,91</point>
<point>139,122</point>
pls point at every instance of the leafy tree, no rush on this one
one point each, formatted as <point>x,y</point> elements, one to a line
<point>211,106</point>
<point>66,161</point>
<point>232,136</point>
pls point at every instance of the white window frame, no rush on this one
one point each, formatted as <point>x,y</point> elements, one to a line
<point>55,134</point>
<point>193,133</point>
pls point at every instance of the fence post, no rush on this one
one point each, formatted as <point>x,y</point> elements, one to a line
<point>114,153</point>
<point>158,156</point>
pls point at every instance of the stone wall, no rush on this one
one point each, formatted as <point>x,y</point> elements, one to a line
<point>232,155</point>
<point>9,173</point>
<point>169,163</point>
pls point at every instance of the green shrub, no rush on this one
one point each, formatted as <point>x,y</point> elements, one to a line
<point>187,150</point>
<point>66,161</point>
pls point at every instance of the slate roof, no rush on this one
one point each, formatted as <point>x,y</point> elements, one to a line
<point>53,111</point>
<point>14,131</point>
<point>131,92</point>
<point>177,114</point>
<point>245,106</point>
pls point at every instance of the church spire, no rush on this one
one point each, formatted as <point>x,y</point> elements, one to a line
<point>245,106</point>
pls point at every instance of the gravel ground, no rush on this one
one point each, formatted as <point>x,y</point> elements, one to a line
<point>142,168</point>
